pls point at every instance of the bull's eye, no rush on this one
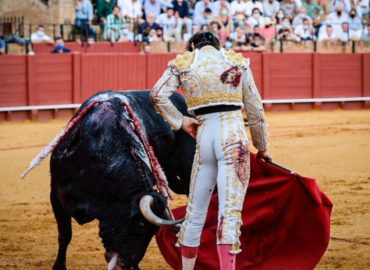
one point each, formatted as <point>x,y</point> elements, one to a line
<point>141,224</point>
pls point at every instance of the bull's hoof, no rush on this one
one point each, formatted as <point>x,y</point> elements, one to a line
<point>59,267</point>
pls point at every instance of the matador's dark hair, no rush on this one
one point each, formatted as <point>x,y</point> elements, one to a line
<point>201,39</point>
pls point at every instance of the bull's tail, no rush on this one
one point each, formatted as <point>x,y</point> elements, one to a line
<point>57,139</point>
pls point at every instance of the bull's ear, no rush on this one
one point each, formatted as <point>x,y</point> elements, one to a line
<point>134,208</point>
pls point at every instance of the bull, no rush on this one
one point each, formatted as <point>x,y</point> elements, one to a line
<point>100,170</point>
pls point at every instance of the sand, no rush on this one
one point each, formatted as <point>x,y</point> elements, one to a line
<point>333,147</point>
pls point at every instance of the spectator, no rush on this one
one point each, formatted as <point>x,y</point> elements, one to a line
<point>222,6</point>
<point>103,9</point>
<point>256,18</point>
<point>181,8</point>
<point>59,46</point>
<point>355,24</point>
<point>225,21</point>
<point>154,7</point>
<point>147,26</point>
<point>238,38</point>
<point>366,33</point>
<point>39,36</point>
<point>268,32</point>
<point>156,35</point>
<point>257,42</point>
<point>305,31</point>
<point>238,8</point>
<point>200,7</point>
<point>84,16</point>
<point>279,17</point>
<point>270,8</point>
<point>289,7</point>
<point>168,22</point>
<point>298,20</point>
<point>362,7</point>
<point>344,34</point>
<point>117,29</point>
<point>286,34</point>
<point>214,28</point>
<point>205,19</point>
<point>131,9</point>
<point>251,5</point>
<point>345,5</point>
<point>327,34</point>
<point>2,46</point>
<point>206,28</point>
<point>336,19</point>
<point>312,8</point>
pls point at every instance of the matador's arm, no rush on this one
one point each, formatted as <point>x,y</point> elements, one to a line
<point>255,113</point>
<point>163,89</point>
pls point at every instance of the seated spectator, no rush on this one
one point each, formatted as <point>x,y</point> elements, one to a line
<point>289,7</point>
<point>256,18</point>
<point>305,31</point>
<point>362,7</point>
<point>39,36</point>
<point>336,19</point>
<point>257,42</point>
<point>168,22</point>
<point>181,8</point>
<point>327,34</point>
<point>131,9</point>
<point>117,29</point>
<point>147,26</point>
<point>205,19</point>
<point>345,5</point>
<point>103,9</point>
<point>238,8</point>
<point>344,34</point>
<point>2,46</point>
<point>225,21</point>
<point>59,46</point>
<point>355,24</point>
<point>205,28</point>
<point>200,8</point>
<point>312,8</point>
<point>238,38</point>
<point>214,28</point>
<point>268,32</point>
<point>366,33</point>
<point>251,5</point>
<point>222,6</point>
<point>286,34</point>
<point>154,7</point>
<point>298,19</point>
<point>279,18</point>
<point>156,35</point>
<point>270,8</point>
<point>84,16</point>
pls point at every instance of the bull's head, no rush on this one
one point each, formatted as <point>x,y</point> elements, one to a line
<point>127,240</point>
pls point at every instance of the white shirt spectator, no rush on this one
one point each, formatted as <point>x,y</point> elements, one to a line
<point>130,8</point>
<point>238,7</point>
<point>270,8</point>
<point>166,22</point>
<point>154,6</point>
<point>250,5</point>
<point>40,37</point>
<point>344,4</point>
<point>298,20</point>
<point>203,20</point>
<point>256,20</point>
<point>327,34</point>
<point>336,21</point>
<point>304,31</point>
<point>201,6</point>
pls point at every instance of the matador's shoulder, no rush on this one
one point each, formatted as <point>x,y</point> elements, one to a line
<point>182,61</point>
<point>236,58</point>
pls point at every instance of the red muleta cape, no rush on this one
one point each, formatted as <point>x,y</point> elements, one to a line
<point>286,224</point>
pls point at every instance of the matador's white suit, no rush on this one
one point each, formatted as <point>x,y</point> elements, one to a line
<point>217,84</point>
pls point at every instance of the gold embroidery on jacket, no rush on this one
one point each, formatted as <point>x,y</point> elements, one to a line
<point>213,97</point>
<point>183,61</point>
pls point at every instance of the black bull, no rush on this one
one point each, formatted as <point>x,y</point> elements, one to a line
<point>97,173</point>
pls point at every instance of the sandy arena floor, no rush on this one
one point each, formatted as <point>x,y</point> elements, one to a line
<point>333,147</point>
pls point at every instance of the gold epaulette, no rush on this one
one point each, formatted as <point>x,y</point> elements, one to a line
<point>182,61</point>
<point>237,58</point>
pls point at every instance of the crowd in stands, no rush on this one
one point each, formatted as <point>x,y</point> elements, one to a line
<point>239,24</point>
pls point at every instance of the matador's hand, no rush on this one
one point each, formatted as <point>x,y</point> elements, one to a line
<point>190,126</point>
<point>266,156</point>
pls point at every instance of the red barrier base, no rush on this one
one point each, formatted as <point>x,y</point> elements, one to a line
<point>286,225</point>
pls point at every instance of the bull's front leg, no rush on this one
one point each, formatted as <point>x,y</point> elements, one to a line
<point>64,222</point>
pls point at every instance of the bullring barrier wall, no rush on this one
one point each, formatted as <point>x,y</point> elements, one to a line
<point>300,80</point>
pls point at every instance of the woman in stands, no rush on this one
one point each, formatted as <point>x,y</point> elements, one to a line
<point>217,85</point>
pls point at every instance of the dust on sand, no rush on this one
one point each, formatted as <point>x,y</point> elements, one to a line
<point>333,147</point>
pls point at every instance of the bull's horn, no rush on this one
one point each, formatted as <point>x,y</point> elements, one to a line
<point>113,262</point>
<point>145,208</point>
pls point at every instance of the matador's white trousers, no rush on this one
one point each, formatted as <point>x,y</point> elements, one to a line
<point>221,158</point>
